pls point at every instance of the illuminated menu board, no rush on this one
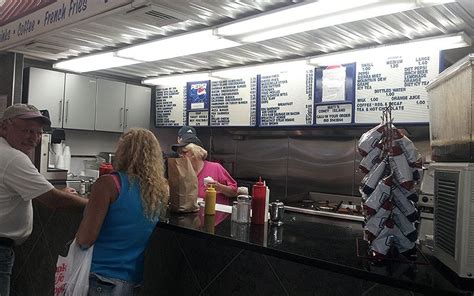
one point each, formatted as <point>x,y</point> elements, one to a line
<point>399,79</point>
<point>234,102</point>
<point>286,98</point>
<point>170,105</point>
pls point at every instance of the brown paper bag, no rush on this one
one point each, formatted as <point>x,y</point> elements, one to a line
<point>183,186</point>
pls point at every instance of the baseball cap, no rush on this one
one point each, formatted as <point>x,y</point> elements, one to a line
<point>24,111</point>
<point>186,130</point>
<point>187,139</point>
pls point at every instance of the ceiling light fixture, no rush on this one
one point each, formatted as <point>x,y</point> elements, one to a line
<point>177,46</point>
<point>94,62</point>
<point>311,16</point>
<point>433,43</point>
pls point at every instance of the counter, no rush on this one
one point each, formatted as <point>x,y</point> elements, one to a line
<point>332,247</point>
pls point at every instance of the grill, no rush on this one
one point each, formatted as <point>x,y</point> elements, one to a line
<point>446,186</point>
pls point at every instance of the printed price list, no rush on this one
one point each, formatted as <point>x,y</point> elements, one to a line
<point>233,102</point>
<point>286,98</point>
<point>396,79</point>
<point>169,106</point>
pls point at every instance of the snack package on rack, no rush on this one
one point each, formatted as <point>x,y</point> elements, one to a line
<point>405,226</point>
<point>401,168</point>
<point>369,139</point>
<point>402,192</point>
<point>376,199</point>
<point>369,161</point>
<point>407,146</point>
<point>406,207</point>
<point>376,223</point>
<point>370,181</point>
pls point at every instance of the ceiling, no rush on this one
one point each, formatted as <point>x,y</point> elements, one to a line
<point>159,18</point>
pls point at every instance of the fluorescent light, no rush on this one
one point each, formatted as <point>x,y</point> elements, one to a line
<point>286,16</point>
<point>174,79</point>
<point>313,16</point>
<point>94,62</point>
<point>432,43</point>
<point>181,45</point>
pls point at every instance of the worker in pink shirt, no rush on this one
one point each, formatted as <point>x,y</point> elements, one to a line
<point>226,187</point>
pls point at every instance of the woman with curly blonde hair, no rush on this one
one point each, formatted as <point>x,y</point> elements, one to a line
<point>121,214</point>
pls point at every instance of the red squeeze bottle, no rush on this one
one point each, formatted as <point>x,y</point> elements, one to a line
<point>259,192</point>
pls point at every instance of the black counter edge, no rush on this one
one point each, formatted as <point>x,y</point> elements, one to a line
<point>337,268</point>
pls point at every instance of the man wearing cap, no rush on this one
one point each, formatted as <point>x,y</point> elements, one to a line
<point>21,128</point>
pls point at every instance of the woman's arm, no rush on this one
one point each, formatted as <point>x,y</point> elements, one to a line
<point>104,192</point>
<point>224,189</point>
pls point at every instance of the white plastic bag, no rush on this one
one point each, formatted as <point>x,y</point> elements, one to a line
<point>61,268</point>
<point>78,265</point>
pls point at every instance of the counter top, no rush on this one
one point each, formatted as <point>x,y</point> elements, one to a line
<point>330,244</point>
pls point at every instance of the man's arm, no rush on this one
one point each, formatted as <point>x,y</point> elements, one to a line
<point>56,198</point>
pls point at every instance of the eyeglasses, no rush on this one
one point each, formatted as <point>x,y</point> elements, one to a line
<point>29,131</point>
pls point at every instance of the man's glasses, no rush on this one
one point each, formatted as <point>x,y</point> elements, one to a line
<point>29,131</point>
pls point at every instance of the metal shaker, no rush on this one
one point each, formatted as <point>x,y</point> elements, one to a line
<point>276,209</point>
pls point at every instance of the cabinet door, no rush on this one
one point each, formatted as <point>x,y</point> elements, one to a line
<point>110,106</point>
<point>79,102</point>
<point>46,91</point>
<point>137,106</point>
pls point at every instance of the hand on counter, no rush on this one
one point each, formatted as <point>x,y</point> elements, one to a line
<point>70,190</point>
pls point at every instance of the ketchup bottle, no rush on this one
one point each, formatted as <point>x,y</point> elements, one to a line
<point>259,192</point>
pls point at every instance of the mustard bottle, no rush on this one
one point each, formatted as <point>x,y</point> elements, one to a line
<point>210,201</point>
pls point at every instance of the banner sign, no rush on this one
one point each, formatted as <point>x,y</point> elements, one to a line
<point>53,16</point>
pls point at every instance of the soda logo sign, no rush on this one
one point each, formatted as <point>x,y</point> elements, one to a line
<point>199,86</point>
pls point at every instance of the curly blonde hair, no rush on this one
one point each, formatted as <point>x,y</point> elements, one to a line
<point>139,155</point>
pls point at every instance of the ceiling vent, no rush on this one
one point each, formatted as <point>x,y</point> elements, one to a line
<point>156,15</point>
<point>45,47</point>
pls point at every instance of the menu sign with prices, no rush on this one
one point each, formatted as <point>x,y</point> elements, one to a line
<point>334,94</point>
<point>198,118</point>
<point>333,114</point>
<point>399,79</point>
<point>169,105</point>
<point>234,102</point>
<point>286,98</point>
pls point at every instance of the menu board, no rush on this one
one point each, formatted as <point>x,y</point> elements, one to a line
<point>198,118</point>
<point>169,105</point>
<point>234,102</point>
<point>286,98</point>
<point>399,79</point>
<point>334,94</point>
<point>333,114</point>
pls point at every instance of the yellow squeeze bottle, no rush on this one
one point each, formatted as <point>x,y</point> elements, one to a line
<point>210,201</point>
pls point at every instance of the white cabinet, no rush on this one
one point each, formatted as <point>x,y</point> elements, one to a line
<point>46,91</point>
<point>69,98</point>
<point>110,106</point>
<point>86,103</point>
<point>137,106</point>
<point>79,102</point>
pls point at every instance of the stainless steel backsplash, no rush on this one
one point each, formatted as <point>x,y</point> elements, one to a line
<point>293,162</point>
